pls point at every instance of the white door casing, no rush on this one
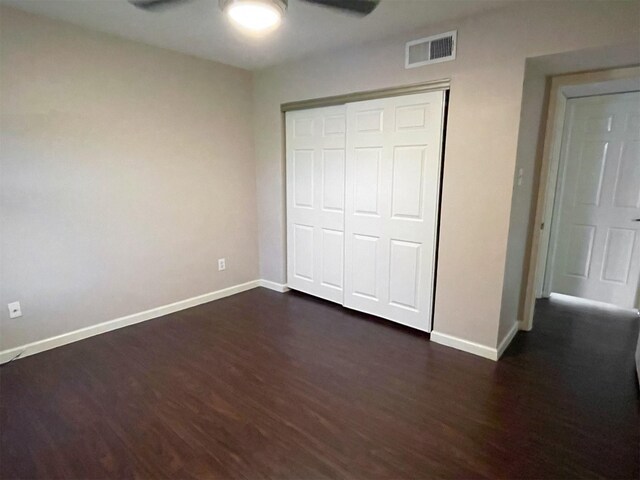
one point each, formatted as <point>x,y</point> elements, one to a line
<point>315,163</point>
<point>595,240</point>
<point>393,161</point>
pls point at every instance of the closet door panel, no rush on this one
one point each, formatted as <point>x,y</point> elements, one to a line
<point>315,169</point>
<point>393,159</point>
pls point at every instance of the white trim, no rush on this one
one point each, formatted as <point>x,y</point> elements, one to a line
<point>546,252</point>
<point>278,287</point>
<point>74,336</point>
<point>506,341</point>
<point>464,345</point>
<point>523,326</point>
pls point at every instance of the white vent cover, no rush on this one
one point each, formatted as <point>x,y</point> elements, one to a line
<point>434,49</point>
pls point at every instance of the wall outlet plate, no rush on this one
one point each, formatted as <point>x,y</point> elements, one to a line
<point>221,264</point>
<point>15,310</point>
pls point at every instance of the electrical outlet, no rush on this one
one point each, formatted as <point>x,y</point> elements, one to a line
<point>14,310</point>
<point>221,264</point>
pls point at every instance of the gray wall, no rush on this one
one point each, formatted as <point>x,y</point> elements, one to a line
<point>486,96</point>
<point>126,205</point>
<point>530,139</point>
<point>126,172</point>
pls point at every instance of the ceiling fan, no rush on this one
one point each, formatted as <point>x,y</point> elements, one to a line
<point>260,15</point>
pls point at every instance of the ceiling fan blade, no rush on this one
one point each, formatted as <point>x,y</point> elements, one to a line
<point>361,7</point>
<point>155,5</point>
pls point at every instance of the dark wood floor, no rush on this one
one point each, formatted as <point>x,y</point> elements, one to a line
<point>265,385</point>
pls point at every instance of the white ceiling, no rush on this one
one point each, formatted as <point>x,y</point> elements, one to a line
<point>199,28</point>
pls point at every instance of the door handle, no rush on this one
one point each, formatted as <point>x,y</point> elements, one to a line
<point>636,220</point>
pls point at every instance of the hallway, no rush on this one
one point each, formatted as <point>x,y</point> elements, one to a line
<point>580,372</point>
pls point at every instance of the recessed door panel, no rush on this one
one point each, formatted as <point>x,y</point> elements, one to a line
<point>366,185</point>
<point>365,254</point>
<point>580,247</point>
<point>627,186</point>
<point>599,124</point>
<point>407,185</point>
<point>333,179</point>
<point>404,274</point>
<point>303,249</point>
<point>618,249</point>
<point>303,127</point>
<point>332,258</point>
<point>590,172</point>
<point>368,121</point>
<point>411,117</point>
<point>303,178</point>
<point>334,125</point>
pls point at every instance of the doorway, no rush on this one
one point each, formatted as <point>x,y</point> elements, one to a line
<point>594,244</point>
<point>586,240</point>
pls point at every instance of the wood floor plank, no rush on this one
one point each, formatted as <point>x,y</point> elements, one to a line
<point>265,385</point>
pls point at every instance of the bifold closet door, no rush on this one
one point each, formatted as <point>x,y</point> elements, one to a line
<point>393,157</point>
<point>315,166</point>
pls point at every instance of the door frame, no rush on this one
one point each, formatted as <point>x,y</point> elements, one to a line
<point>443,85</point>
<point>558,93</point>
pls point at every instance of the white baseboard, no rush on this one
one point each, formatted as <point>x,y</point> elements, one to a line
<point>464,345</point>
<point>476,348</point>
<point>66,338</point>
<point>502,346</point>
<point>523,326</point>
<point>278,287</point>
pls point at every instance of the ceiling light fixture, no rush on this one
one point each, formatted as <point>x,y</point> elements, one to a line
<point>255,15</point>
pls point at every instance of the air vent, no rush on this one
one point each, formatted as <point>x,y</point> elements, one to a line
<point>434,49</point>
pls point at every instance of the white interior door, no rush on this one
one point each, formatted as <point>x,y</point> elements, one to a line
<point>596,245</point>
<point>315,201</point>
<point>392,189</point>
